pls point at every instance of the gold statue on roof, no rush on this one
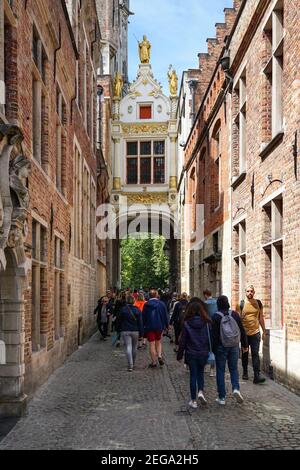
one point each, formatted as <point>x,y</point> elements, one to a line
<point>118,85</point>
<point>145,50</point>
<point>173,81</point>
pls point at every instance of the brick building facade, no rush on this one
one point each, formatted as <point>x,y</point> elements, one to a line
<point>48,277</point>
<point>265,59</point>
<point>253,236</point>
<point>206,255</point>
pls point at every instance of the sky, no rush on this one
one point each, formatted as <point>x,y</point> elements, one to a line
<point>177,30</point>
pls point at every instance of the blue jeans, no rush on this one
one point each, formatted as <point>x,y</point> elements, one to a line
<point>196,366</point>
<point>222,356</point>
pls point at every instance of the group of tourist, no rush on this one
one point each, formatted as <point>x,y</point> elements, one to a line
<point>204,331</point>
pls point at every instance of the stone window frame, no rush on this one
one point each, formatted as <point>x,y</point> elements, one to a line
<point>86,213</point>
<point>39,283</point>
<point>61,141</point>
<point>240,256</point>
<point>216,187</point>
<point>77,202</point>
<point>274,36</point>
<point>7,18</point>
<point>59,279</point>
<point>138,158</point>
<point>273,245</point>
<point>93,222</point>
<point>240,122</point>
<point>40,100</point>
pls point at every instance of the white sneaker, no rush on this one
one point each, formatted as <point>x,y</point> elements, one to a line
<point>202,398</point>
<point>212,373</point>
<point>221,401</point>
<point>237,395</point>
<point>193,404</point>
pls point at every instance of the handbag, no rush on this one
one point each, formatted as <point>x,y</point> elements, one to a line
<point>211,357</point>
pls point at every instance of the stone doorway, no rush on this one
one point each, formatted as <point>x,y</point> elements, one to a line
<point>12,334</point>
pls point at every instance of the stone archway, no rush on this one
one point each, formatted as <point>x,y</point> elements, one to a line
<point>12,397</point>
<point>156,221</point>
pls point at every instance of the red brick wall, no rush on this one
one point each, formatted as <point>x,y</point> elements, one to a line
<point>44,197</point>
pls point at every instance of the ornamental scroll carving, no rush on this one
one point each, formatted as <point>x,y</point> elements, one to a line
<point>147,198</point>
<point>134,129</point>
<point>14,195</point>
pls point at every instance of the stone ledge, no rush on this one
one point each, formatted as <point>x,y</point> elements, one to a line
<point>13,407</point>
<point>271,145</point>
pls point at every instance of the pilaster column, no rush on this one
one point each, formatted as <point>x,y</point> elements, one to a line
<point>117,165</point>
<point>173,160</point>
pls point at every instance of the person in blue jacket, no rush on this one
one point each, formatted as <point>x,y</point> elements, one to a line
<point>155,321</point>
<point>194,343</point>
<point>130,325</point>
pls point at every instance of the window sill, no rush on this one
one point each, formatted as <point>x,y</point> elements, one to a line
<point>239,180</point>
<point>277,139</point>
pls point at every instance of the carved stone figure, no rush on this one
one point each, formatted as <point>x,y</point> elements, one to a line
<point>173,81</point>
<point>9,137</point>
<point>19,171</point>
<point>118,86</point>
<point>145,51</point>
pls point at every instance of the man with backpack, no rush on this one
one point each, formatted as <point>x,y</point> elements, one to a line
<point>227,333</point>
<point>251,311</point>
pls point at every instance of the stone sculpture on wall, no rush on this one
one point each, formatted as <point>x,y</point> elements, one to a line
<point>14,195</point>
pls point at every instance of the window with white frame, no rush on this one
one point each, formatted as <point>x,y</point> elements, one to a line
<point>61,141</point>
<point>146,162</point>
<point>273,71</point>
<point>273,249</point>
<point>240,257</point>
<point>77,237</point>
<point>39,100</point>
<point>38,283</point>
<point>58,287</point>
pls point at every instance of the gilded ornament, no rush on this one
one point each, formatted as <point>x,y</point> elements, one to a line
<point>118,85</point>
<point>147,198</point>
<point>173,81</point>
<point>145,51</point>
<point>133,129</point>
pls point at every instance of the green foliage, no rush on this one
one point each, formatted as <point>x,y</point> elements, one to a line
<point>144,263</point>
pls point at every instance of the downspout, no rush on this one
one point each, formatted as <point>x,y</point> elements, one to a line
<point>56,51</point>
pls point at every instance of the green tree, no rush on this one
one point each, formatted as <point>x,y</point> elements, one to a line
<point>144,263</point>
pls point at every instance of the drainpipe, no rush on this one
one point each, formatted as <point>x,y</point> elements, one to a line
<point>56,51</point>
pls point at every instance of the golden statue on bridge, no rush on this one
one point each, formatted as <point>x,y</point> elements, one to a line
<point>173,81</point>
<point>145,50</point>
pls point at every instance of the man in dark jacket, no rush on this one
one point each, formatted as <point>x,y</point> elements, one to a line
<point>130,325</point>
<point>227,354</point>
<point>102,312</point>
<point>155,321</point>
<point>177,318</point>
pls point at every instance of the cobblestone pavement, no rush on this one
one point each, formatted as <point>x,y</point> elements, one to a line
<point>92,402</point>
